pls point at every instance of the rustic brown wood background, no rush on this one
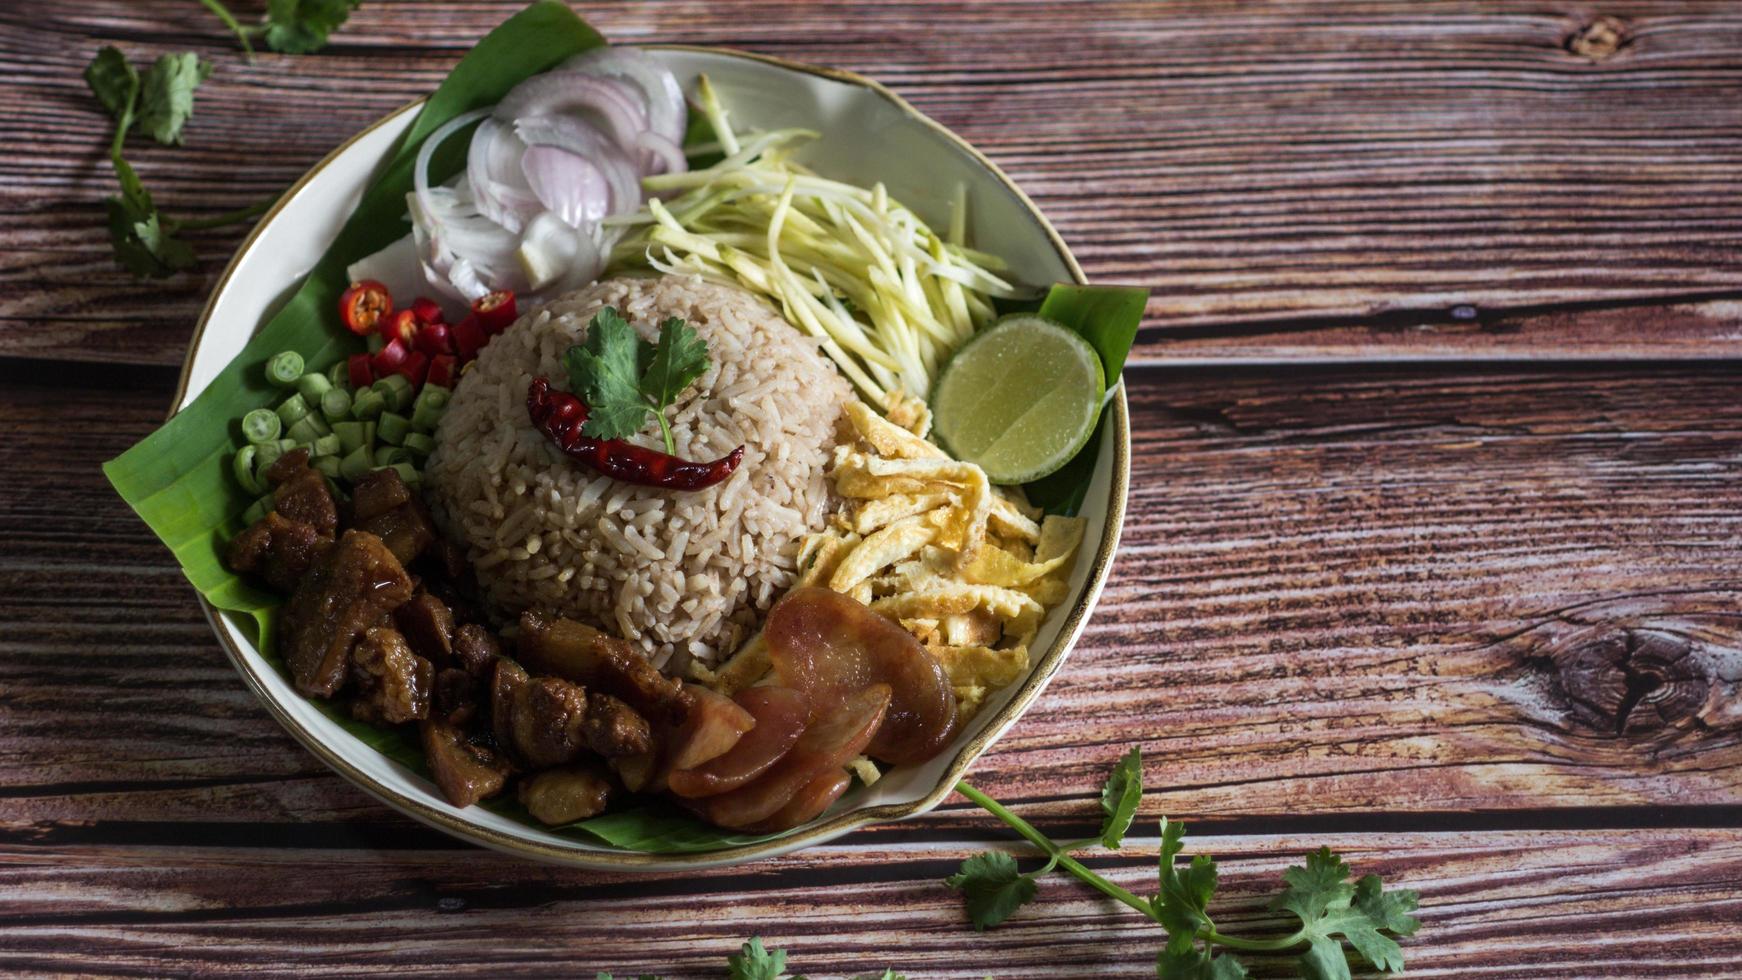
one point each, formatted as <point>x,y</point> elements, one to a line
<point>1435,545</point>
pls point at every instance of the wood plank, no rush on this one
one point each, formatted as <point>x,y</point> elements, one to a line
<point>1294,179</point>
<point>1502,904</point>
<point>1694,328</point>
<point>1413,592</point>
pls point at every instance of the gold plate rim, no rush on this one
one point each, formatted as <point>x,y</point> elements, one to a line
<point>1043,671</point>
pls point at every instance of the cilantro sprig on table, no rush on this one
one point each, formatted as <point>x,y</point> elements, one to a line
<point>290,26</point>
<point>159,102</point>
<point>753,961</point>
<point>1331,909</point>
<point>622,377</point>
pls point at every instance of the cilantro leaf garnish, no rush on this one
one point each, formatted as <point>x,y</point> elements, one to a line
<point>678,360</point>
<point>753,962</point>
<point>992,888</point>
<point>1119,798</point>
<point>605,371</point>
<point>622,377</point>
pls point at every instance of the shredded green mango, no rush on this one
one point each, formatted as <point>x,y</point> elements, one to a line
<point>888,297</point>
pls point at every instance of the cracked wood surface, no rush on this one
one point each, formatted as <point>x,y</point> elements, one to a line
<point>1474,624</point>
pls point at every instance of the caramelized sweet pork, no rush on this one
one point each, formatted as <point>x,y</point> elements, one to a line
<point>383,614</point>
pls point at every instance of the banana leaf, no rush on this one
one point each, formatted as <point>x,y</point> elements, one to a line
<point>178,478</point>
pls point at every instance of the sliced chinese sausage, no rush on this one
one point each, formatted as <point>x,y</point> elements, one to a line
<point>825,746</point>
<point>808,803</point>
<point>780,714</point>
<point>712,725</point>
<point>829,645</point>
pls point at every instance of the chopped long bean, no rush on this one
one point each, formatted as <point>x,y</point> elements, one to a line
<point>257,510</point>
<point>312,386</point>
<point>336,404</point>
<point>284,368</point>
<point>307,429</point>
<point>419,443</point>
<point>356,464</point>
<point>407,472</point>
<point>261,425</point>
<point>392,427</point>
<point>243,466</point>
<point>425,417</point>
<point>292,409</point>
<point>351,434</point>
<point>396,388</point>
<point>367,404</point>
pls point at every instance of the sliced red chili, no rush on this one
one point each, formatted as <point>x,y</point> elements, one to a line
<point>401,326</point>
<point>495,311</point>
<point>414,369</point>
<point>426,311</point>
<point>363,306</point>
<point>444,370</point>
<point>358,371</point>
<point>434,339</point>
<point>468,337</point>
<point>388,359</point>
<point>559,415</point>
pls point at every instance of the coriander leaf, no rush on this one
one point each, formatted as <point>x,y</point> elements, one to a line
<point>302,26</point>
<point>1331,909</point>
<point>752,962</point>
<point>991,888</point>
<point>1387,910</point>
<point>604,372</point>
<point>1183,901</point>
<point>141,242</point>
<point>1197,964</point>
<point>166,95</point>
<point>679,359</point>
<point>1119,798</point>
<point>113,81</point>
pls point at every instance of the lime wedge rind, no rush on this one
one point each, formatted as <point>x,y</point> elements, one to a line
<point>985,400</point>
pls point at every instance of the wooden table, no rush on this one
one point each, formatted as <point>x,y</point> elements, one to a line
<point>1434,544</point>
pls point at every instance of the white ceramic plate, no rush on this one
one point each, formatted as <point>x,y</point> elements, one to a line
<point>869,134</point>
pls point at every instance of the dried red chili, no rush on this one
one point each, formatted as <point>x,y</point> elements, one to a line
<point>559,415</point>
<point>364,305</point>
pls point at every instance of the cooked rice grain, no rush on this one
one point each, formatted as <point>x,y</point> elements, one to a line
<point>673,571</point>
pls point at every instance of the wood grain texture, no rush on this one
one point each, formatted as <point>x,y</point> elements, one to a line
<point>1496,904</point>
<point>1315,179</point>
<point>1477,627</point>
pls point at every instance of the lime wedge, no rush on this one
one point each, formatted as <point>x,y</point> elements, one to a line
<point>1020,398</point>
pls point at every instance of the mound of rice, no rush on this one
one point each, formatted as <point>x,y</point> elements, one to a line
<point>678,572</point>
